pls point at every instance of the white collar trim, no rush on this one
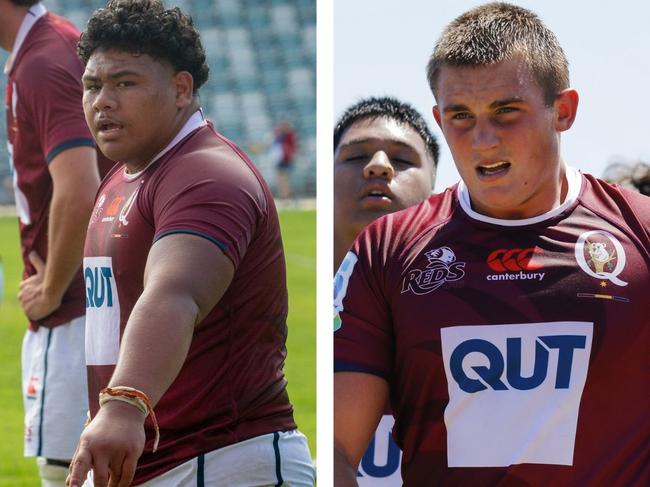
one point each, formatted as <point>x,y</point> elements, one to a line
<point>574,184</point>
<point>197,120</point>
<point>31,17</point>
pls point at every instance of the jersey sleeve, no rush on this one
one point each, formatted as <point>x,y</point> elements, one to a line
<point>221,201</point>
<point>52,93</point>
<point>363,336</point>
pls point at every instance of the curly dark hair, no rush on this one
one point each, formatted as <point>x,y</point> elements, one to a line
<point>146,27</point>
<point>392,108</point>
<point>25,3</point>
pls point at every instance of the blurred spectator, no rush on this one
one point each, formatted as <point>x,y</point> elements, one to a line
<point>635,176</point>
<point>282,151</point>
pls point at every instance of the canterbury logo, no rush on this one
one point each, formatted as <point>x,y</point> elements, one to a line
<point>504,260</point>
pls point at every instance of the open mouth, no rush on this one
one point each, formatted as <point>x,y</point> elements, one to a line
<point>376,199</point>
<point>108,127</point>
<point>493,169</point>
<point>377,194</point>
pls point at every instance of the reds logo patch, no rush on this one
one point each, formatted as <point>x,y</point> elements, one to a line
<point>442,267</point>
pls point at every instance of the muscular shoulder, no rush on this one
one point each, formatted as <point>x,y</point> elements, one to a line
<point>208,158</point>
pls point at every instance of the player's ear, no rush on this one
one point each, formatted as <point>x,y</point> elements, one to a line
<point>436,115</point>
<point>184,85</point>
<point>566,108</point>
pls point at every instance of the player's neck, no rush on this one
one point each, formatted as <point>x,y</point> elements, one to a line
<point>10,21</point>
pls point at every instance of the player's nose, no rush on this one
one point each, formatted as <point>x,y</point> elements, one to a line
<point>484,136</point>
<point>104,100</point>
<point>379,165</point>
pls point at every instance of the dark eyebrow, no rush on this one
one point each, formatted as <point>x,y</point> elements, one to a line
<point>455,108</point>
<point>119,74</point>
<point>369,140</point>
<point>507,101</point>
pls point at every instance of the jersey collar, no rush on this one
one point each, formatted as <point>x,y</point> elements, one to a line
<point>31,17</point>
<point>574,185</point>
<point>197,120</point>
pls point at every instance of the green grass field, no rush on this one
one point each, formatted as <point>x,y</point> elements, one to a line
<point>299,235</point>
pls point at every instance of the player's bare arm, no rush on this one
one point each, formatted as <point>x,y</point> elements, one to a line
<point>185,278</point>
<point>359,401</point>
<point>75,180</point>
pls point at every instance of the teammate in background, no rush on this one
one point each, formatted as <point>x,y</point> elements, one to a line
<point>506,318</point>
<point>55,180</point>
<point>187,300</point>
<point>385,160</point>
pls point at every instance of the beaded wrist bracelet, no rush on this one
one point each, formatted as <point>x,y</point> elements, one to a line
<point>135,398</point>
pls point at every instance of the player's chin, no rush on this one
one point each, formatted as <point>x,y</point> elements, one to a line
<point>368,215</point>
<point>113,150</point>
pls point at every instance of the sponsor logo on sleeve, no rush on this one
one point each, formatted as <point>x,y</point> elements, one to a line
<point>601,256</point>
<point>515,264</point>
<point>102,312</point>
<point>341,280</point>
<point>442,267</point>
<point>514,392</point>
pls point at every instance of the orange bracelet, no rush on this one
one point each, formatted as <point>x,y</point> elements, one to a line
<point>134,397</point>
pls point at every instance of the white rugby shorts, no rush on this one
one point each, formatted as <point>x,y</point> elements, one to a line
<point>55,392</point>
<point>267,460</point>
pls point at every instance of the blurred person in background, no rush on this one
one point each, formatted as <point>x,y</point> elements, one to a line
<point>283,151</point>
<point>55,178</point>
<point>385,160</point>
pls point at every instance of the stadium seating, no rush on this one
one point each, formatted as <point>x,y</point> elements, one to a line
<point>262,57</point>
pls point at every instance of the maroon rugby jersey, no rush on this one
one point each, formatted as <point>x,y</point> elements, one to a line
<point>231,386</point>
<point>516,351</point>
<point>44,118</point>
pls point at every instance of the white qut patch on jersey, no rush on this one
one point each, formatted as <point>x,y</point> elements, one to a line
<point>380,465</point>
<point>514,392</point>
<point>102,312</point>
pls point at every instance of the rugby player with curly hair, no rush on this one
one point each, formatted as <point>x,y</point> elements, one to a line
<point>185,276</point>
<point>56,177</point>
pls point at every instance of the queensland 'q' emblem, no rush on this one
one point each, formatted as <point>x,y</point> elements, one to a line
<point>601,255</point>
